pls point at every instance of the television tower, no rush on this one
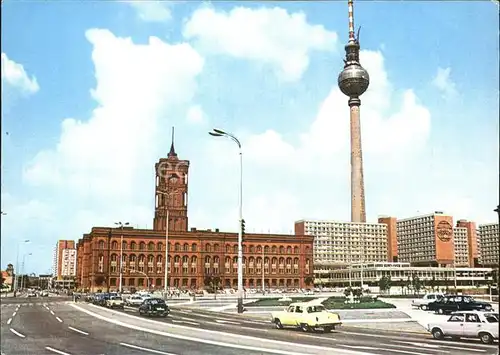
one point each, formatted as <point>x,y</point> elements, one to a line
<point>353,82</point>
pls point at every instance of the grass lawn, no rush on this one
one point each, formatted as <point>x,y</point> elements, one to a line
<point>335,303</point>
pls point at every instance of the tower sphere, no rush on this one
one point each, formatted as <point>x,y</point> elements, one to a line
<point>353,80</point>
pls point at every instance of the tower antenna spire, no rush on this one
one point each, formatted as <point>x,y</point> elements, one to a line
<point>172,152</point>
<point>350,4</point>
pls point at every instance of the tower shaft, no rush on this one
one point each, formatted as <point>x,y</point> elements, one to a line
<point>358,213</point>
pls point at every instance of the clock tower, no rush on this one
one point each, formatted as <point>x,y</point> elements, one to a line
<point>171,192</point>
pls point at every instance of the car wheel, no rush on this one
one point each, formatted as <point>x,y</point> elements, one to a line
<point>305,327</point>
<point>327,329</point>
<point>423,307</point>
<point>486,338</point>
<point>278,324</point>
<point>440,311</point>
<point>437,334</point>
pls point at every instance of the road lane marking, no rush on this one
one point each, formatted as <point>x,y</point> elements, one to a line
<point>426,345</point>
<point>78,331</point>
<point>250,328</point>
<point>226,321</point>
<point>382,349</point>
<point>14,314</point>
<point>17,333</point>
<point>59,319</point>
<point>185,322</point>
<point>212,342</point>
<point>145,349</point>
<point>52,312</point>
<point>56,351</point>
<point>424,337</point>
<point>10,320</point>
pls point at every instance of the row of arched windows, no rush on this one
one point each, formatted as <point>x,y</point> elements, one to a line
<point>186,247</point>
<point>141,258</point>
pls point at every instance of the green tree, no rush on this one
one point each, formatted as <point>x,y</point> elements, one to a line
<point>309,280</point>
<point>357,292</point>
<point>385,283</point>
<point>348,291</point>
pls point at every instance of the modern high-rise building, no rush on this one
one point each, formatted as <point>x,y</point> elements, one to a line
<point>342,243</point>
<point>461,246</point>
<point>392,237</point>
<point>426,240</point>
<point>64,259</point>
<point>353,81</point>
<point>489,244</point>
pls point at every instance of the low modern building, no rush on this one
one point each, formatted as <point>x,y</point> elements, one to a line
<point>489,244</point>
<point>369,274</point>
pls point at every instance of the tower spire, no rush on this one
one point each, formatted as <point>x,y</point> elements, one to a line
<point>350,4</point>
<point>172,152</point>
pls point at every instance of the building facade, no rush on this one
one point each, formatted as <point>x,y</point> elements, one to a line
<point>439,277</point>
<point>461,246</point>
<point>195,257</point>
<point>489,244</point>
<point>65,259</point>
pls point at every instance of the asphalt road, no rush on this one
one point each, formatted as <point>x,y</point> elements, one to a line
<point>57,327</point>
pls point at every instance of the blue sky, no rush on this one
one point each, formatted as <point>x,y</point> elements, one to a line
<point>89,97</point>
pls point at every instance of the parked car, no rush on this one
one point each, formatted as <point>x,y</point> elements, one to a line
<point>467,324</point>
<point>31,294</point>
<point>134,301</point>
<point>306,316</point>
<point>423,302</point>
<point>115,302</point>
<point>154,307</point>
<point>452,303</point>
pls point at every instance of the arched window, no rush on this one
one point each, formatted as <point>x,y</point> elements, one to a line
<point>133,246</point>
<point>142,246</point>
<point>296,261</point>
<point>194,259</point>
<point>124,245</point>
<point>208,247</point>
<point>259,248</point>
<point>151,259</point>
<point>282,249</point>
<point>151,246</point>
<point>186,247</point>
<point>216,260</point>
<point>235,260</point>
<point>194,247</point>
<point>289,250</point>
<point>101,244</point>
<point>296,250</point>
<point>159,246</point>
<point>114,245</point>
<point>114,257</point>
<point>274,249</point>
<point>235,249</point>
<point>159,259</point>
<point>142,258</point>
<point>177,259</point>
<point>177,247</point>
<point>252,249</point>
<point>132,259</point>
<point>207,260</point>
<point>216,247</point>
<point>266,249</point>
<point>228,248</point>
<point>185,259</point>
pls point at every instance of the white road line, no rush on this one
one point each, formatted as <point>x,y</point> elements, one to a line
<point>78,331</point>
<point>59,319</point>
<point>145,349</point>
<point>424,345</point>
<point>381,349</point>
<point>9,321</point>
<point>226,321</point>
<point>258,329</point>
<point>14,314</point>
<point>465,345</point>
<point>52,312</point>
<point>56,351</point>
<point>17,333</point>
<point>185,322</point>
<point>213,342</point>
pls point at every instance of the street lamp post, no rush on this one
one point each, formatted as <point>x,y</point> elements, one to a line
<point>121,225</point>
<point>220,133</point>
<point>23,276</point>
<point>17,264</point>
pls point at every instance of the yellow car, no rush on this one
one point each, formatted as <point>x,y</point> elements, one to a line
<point>306,316</point>
<point>115,302</point>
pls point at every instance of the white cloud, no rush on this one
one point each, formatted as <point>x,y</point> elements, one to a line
<point>271,36</point>
<point>13,74</point>
<point>152,11</point>
<point>443,82</point>
<point>195,115</point>
<point>108,154</point>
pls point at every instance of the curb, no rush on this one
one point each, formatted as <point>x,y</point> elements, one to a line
<point>423,332</point>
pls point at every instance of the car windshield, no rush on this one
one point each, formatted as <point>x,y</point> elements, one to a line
<point>116,298</point>
<point>491,317</point>
<point>315,309</point>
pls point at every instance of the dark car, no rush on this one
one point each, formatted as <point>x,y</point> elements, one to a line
<point>154,307</point>
<point>453,303</point>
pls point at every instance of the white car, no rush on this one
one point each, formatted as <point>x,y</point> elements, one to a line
<point>134,300</point>
<point>467,324</point>
<point>424,301</point>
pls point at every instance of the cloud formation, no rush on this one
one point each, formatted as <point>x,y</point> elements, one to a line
<point>271,36</point>
<point>14,75</point>
<point>152,11</point>
<point>443,82</point>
